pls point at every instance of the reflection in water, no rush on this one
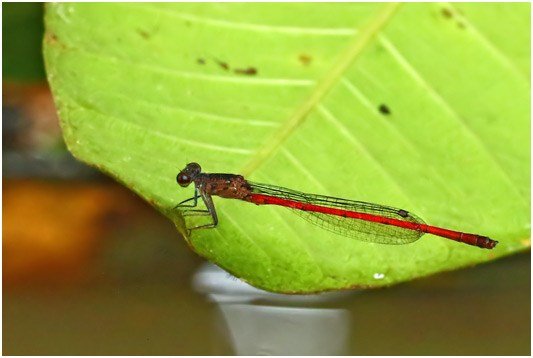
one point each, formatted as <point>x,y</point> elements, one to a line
<point>274,330</point>
<point>277,326</point>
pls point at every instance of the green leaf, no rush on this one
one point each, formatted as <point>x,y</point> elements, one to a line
<point>419,106</point>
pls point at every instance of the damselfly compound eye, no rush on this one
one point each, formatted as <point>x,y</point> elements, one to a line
<point>183,179</point>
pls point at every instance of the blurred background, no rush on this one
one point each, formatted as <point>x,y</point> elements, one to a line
<point>91,269</point>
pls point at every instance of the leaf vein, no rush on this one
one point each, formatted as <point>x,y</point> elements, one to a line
<point>355,91</point>
<point>167,136</point>
<point>359,43</point>
<point>289,30</point>
<point>205,115</point>
<point>302,168</point>
<point>238,227</point>
<point>196,75</point>
<point>497,52</point>
<point>346,133</point>
<point>447,107</point>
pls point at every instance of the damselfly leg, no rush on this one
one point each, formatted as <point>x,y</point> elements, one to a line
<point>210,211</point>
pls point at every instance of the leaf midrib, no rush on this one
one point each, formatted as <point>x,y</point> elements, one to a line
<point>361,40</point>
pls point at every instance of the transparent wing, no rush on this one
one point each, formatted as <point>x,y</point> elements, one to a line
<point>353,228</point>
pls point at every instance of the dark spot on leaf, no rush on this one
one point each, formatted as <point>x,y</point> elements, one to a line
<point>222,64</point>
<point>246,71</point>
<point>200,61</point>
<point>384,109</point>
<point>461,25</point>
<point>143,33</point>
<point>447,13</point>
<point>305,59</point>
<point>52,38</point>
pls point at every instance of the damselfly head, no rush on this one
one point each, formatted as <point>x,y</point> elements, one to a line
<point>186,176</point>
<point>193,168</point>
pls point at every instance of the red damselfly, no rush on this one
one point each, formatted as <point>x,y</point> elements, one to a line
<point>354,219</point>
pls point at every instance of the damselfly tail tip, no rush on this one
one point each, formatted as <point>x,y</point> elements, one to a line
<point>486,243</point>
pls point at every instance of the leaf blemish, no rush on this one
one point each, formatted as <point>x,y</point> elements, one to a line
<point>384,109</point>
<point>224,65</point>
<point>200,61</point>
<point>447,13</point>
<point>247,71</point>
<point>52,38</point>
<point>143,33</point>
<point>305,59</point>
